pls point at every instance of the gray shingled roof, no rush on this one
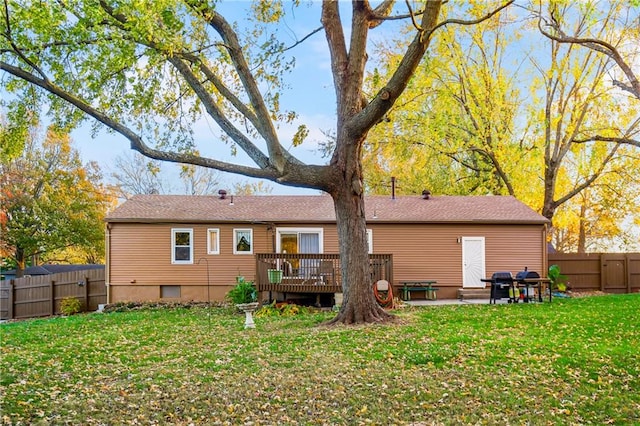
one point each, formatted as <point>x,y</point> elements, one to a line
<point>319,208</point>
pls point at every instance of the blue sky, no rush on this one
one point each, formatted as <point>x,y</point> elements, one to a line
<point>311,95</point>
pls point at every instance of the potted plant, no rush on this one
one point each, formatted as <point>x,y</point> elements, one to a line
<point>245,296</point>
<point>275,276</point>
<point>558,281</point>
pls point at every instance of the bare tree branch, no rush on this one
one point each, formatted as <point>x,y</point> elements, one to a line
<point>598,46</point>
<point>472,21</point>
<point>598,138</point>
<point>136,141</point>
<point>266,128</point>
<point>303,39</point>
<point>380,13</point>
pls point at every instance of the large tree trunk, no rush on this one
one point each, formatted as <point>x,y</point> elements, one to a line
<point>21,262</point>
<point>356,115</point>
<point>359,304</point>
<point>347,189</point>
<point>582,231</point>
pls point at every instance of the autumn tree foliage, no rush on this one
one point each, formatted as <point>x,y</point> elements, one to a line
<point>503,110</point>
<point>148,70</point>
<point>621,45</point>
<point>51,205</point>
<point>454,130</point>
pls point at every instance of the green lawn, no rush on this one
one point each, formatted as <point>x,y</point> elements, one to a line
<point>575,361</point>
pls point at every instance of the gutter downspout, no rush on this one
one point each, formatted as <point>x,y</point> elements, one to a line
<point>545,252</point>
<point>107,247</point>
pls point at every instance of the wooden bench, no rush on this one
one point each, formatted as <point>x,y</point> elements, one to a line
<point>430,292</point>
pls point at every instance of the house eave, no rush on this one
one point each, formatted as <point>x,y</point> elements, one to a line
<point>321,222</point>
<point>209,221</point>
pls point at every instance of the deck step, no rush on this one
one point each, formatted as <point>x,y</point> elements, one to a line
<point>474,293</point>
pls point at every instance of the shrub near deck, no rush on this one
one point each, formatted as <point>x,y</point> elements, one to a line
<point>573,361</point>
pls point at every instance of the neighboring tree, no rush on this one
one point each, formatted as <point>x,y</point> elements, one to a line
<point>621,46</point>
<point>612,31</point>
<point>51,203</point>
<point>252,188</point>
<point>454,130</point>
<point>578,104</point>
<point>137,174</point>
<point>462,127</point>
<point>149,72</point>
<point>199,180</point>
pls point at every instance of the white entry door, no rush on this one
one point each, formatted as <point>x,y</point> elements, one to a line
<point>473,269</point>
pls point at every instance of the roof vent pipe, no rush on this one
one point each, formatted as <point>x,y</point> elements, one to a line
<point>223,194</point>
<point>426,194</point>
<point>393,187</point>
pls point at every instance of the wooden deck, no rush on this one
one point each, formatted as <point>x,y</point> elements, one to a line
<point>312,273</point>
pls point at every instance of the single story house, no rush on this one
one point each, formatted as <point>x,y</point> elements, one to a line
<point>192,247</point>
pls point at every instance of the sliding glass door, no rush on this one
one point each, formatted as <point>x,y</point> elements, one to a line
<point>300,240</point>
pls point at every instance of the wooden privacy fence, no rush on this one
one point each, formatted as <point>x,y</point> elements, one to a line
<point>41,295</point>
<point>608,272</point>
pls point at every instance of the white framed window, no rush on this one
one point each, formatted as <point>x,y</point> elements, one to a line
<point>243,241</point>
<point>213,241</point>
<point>181,245</point>
<point>301,240</point>
<point>370,240</point>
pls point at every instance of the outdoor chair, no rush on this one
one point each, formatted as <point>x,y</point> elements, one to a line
<point>326,272</point>
<point>287,269</point>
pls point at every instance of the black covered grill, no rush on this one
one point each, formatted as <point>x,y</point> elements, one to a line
<point>501,281</point>
<point>522,287</point>
<point>529,288</point>
<point>522,275</point>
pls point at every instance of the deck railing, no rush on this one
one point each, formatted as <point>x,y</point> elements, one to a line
<point>311,273</point>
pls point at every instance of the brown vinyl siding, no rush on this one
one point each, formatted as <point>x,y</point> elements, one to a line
<point>142,253</point>
<point>330,238</point>
<point>432,251</point>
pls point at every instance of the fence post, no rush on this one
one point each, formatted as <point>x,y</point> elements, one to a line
<point>603,271</point>
<point>86,294</point>
<point>12,299</point>
<point>53,297</point>
<point>627,271</point>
